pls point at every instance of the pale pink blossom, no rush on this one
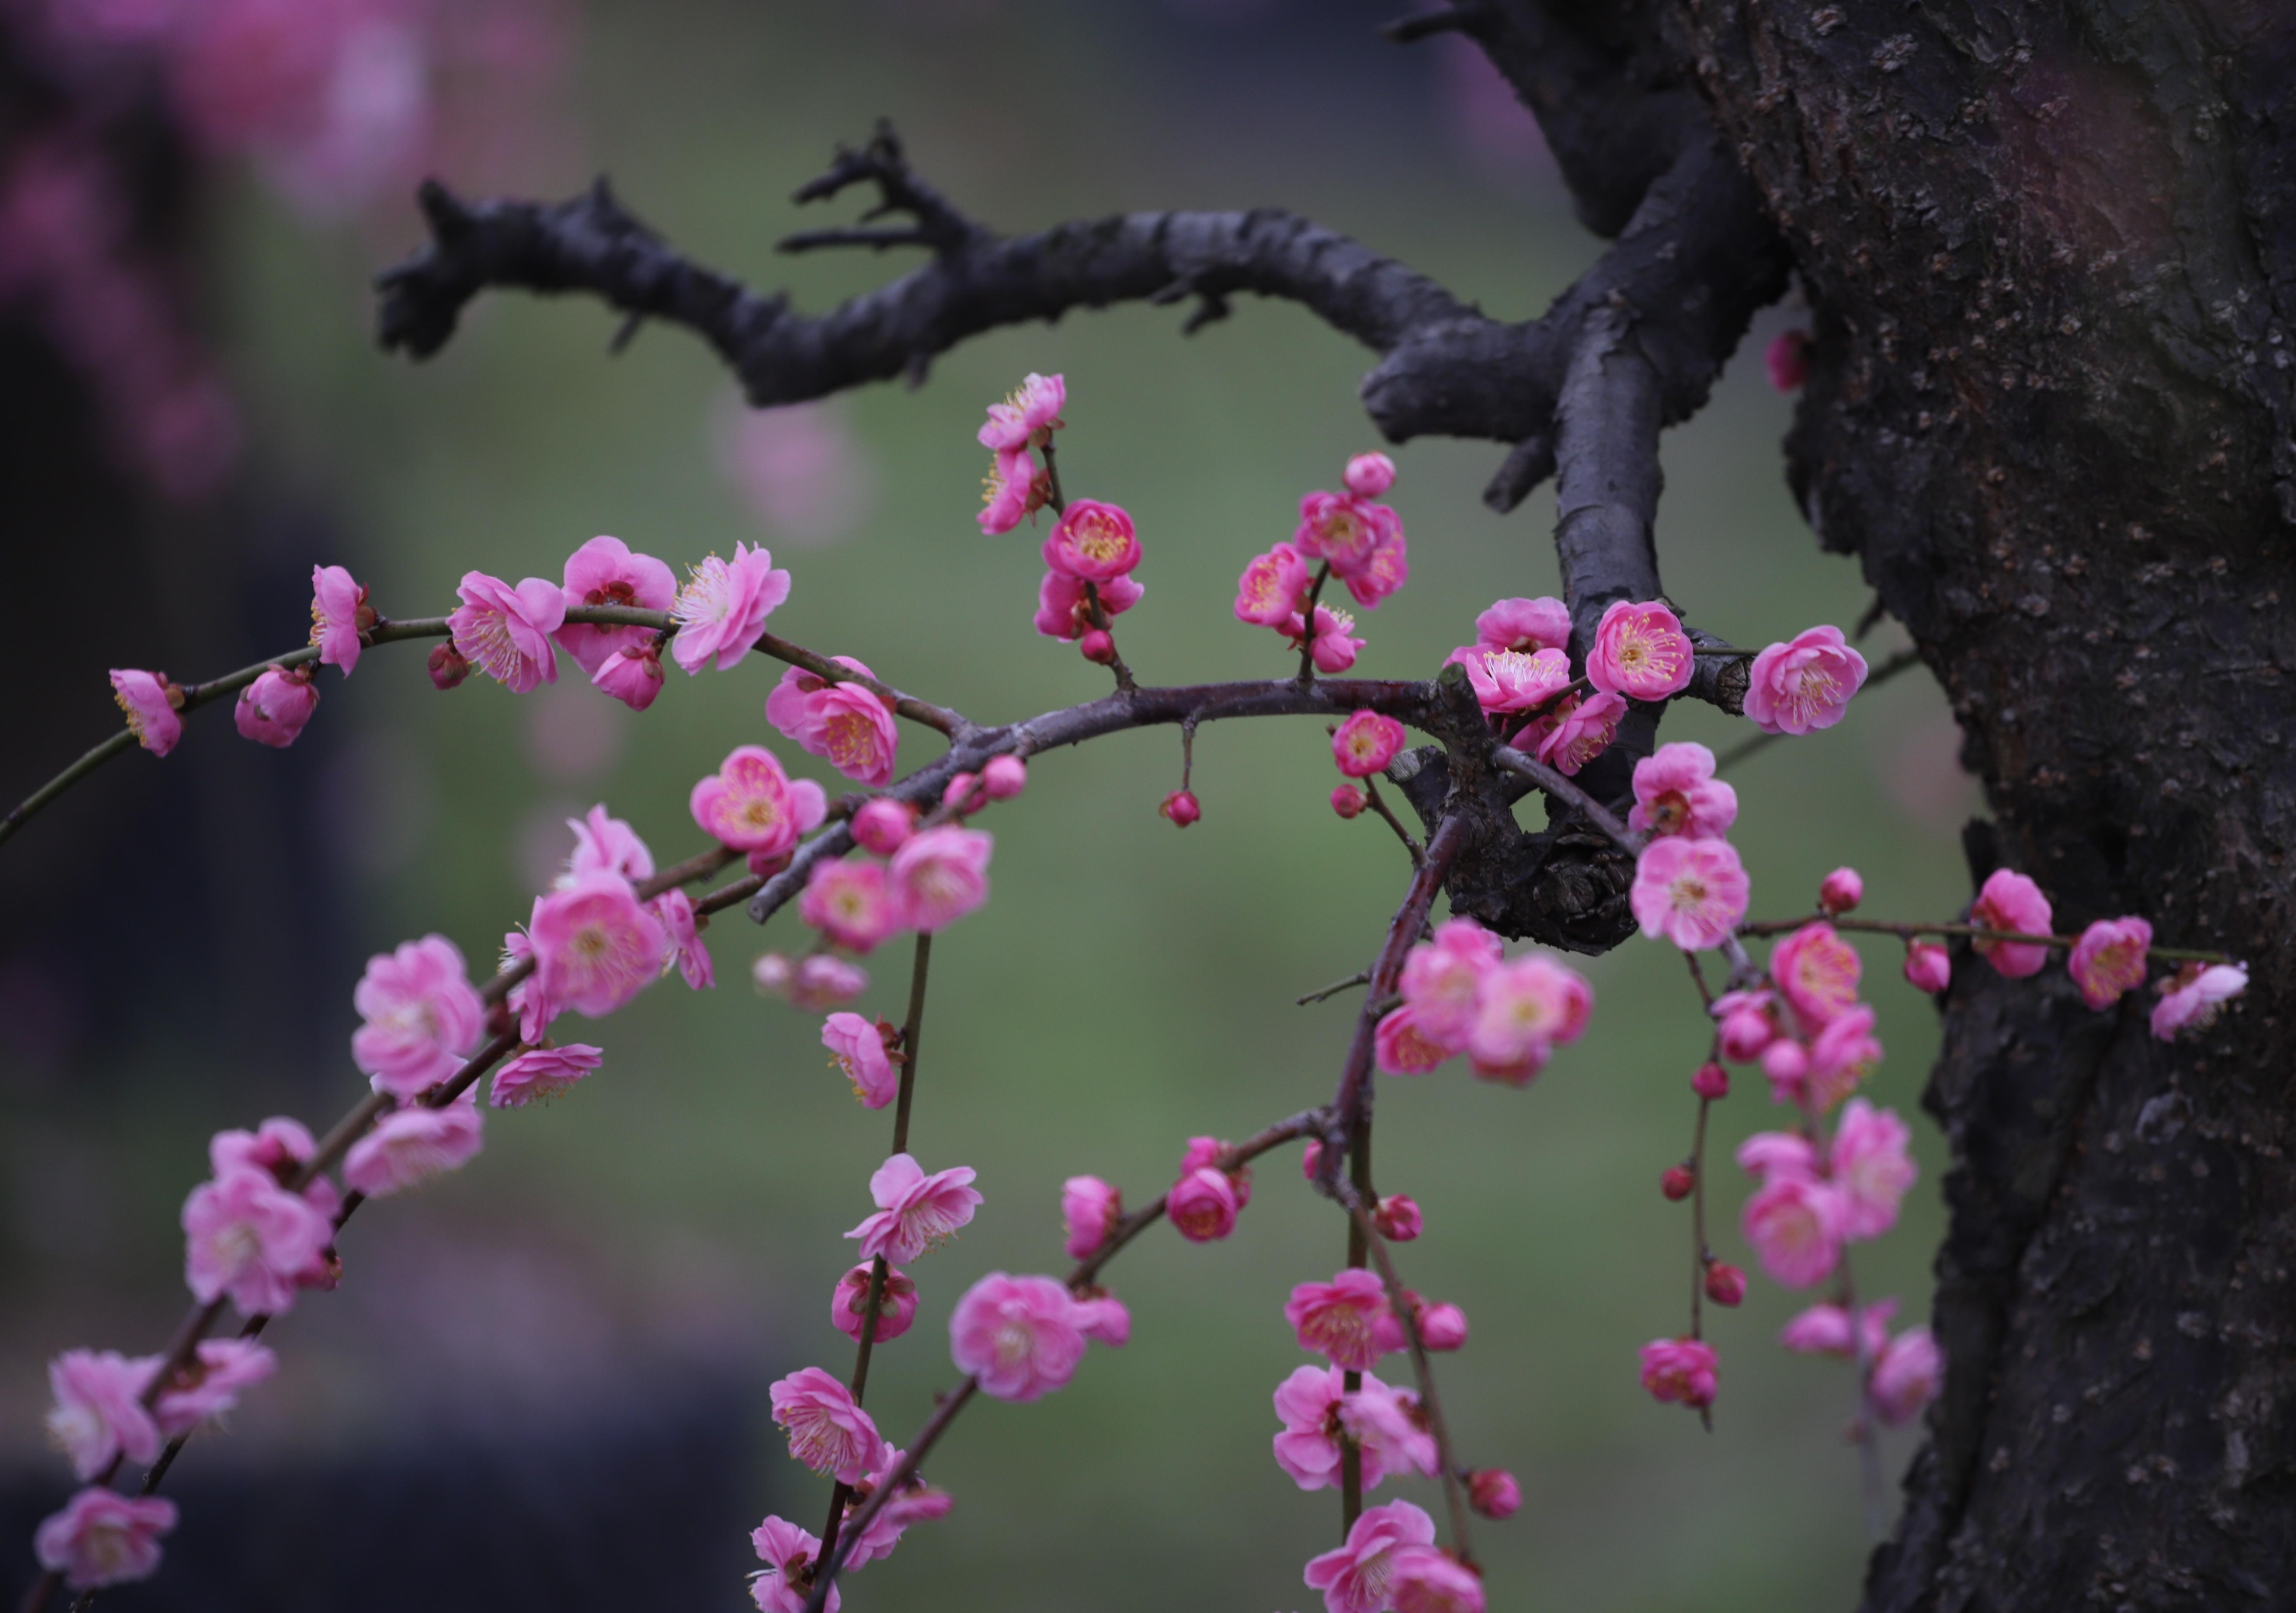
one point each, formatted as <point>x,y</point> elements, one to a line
<point>1840,891</point>
<point>246,1235</point>
<point>1090,1209</point>
<point>1906,1377</point>
<point>1402,1046</point>
<point>279,1145</point>
<point>1272,588</point>
<point>1525,625</point>
<point>896,1304</point>
<point>1494,1492</point>
<point>1339,1319</point>
<point>1804,684</point>
<point>1868,1161</point>
<point>1180,809</point>
<point>786,1584</point>
<point>1928,966</point>
<point>2109,959</point>
<point>1430,1581</point>
<point>821,980</point>
<point>1680,1370</point>
<point>881,825</point>
<point>1065,609</point>
<point>1367,742</point>
<point>99,1414</point>
<point>1523,1010</point>
<point>1513,681</point>
<point>1388,569</point>
<point>542,1074</point>
<point>1029,416</point>
<point>1825,1330</point>
<point>152,703</point>
<point>103,1538</point>
<point>1786,360</point>
<point>504,632</point>
<point>1396,1217</point>
<point>1003,777</point>
<point>827,1431</point>
<point>1777,1154</point>
<point>340,613</point>
<point>1093,542</point>
<point>1796,1225</point>
<point>410,1146</point>
<point>1103,1318</point>
<point>1676,792</point>
<point>1011,490</point>
<point>939,876</point>
<point>1817,972</point>
<point>605,572</point>
<point>1357,1577</point>
<point>1202,1204</point>
<point>1692,893</point>
<point>1443,979</point>
<point>209,1385</point>
<point>850,901</point>
<point>1334,649</point>
<point>1317,1411</point>
<point>2193,995</point>
<point>1368,475</point>
<point>603,840</point>
<point>1575,732</point>
<point>1017,1337</point>
<point>751,805</point>
<point>914,1211</point>
<point>631,676</point>
<point>422,1016</point>
<point>721,610</point>
<point>856,1046</point>
<point>682,926</point>
<point>1640,651</point>
<point>594,946</point>
<point>2011,902</point>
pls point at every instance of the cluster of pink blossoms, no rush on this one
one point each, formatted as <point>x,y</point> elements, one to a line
<point>1343,535</point>
<point>1520,663</point>
<point>1025,421</point>
<point>1690,887</point>
<point>1461,995</point>
<point>1390,1561</point>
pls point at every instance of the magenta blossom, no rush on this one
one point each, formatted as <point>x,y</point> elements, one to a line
<point>273,709</point>
<point>151,702</point>
<point>1318,1411</point>
<point>1869,1164</point>
<point>1747,1024</point>
<point>1396,1217</point>
<point>1093,542</point>
<point>1907,1378</point>
<point>1368,475</point>
<point>1402,1045</point>
<point>1090,1209</point>
<point>1817,972</point>
<point>1367,742</point>
<point>1676,792</point>
<point>1334,649</point>
<point>1680,1370</point>
<point>1029,417</point>
<point>2109,959</point>
<point>1443,978</point>
<point>1928,967</point>
<point>603,840</point>
<point>246,1235</point>
<point>594,947</point>
<point>1840,1057</point>
<point>411,1146</point>
<point>1796,1225</point>
<point>103,1538</point>
<point>99,1413</point>
<point>682,926</point>
<point>632,676</point>
<point>1012,489</point>
<point>1357,1577</point>
<point>1340,1319</point>
<point>1388,569</point>
<point>1206,1151</point>
<point>1640,651</point>
<point>850,901</point>
<point>896,1304</point>
<point>794,705</point>
<point>1180,809</point>
<point>340,613</point>
<point>209,1385</point>
<point>1523,1008</point>
<point>914,1211</point>
<point>881,825</point>
<point>422,1016</point>
<point>1786,360</point>
<point>606,571</point>
<point>786,1584</point>
<point>1576,731</point>
<point>1525,625</point>
<point>1202,1204</point>
<point>849,724</point>
<point>721,610</point>
<point>1063,610</point>
<point>1272,588</point>
<point>1692,893</point>
<point>542,1074</point>
<point>2011,902</point>
<point>939,876</point>
<point>1780,1154</point>
<point>827,1431</point>
<point>1494,1492</point>
<point>1017,1337</point>
<point>856,1046</point>
<point>750,804</point>
<point>1430,1581</point>
<point>1840,891</point>
<point>1513,681</point>
<point>1804,684</point>
<point>504,632</point>
<point>2193,995</point>
<point>1825,1330</point>
<point>1103,1318</point>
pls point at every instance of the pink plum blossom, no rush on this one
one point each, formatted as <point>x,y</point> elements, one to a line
<point>1494,1492</point>
<point>1576,731</point>
<point>1443,978</point>
<point>631,676</point>
<point>1710,1081</point>
<point>1203,1151</point>
<point>881,825</point>
<point>939,876</point>
<point>99,1413</point>
<point>1825,1330</point>
<point>103,1538</point>
<point>1011,490</point>
<point>1777,1154</point>
<point>603,840</point>
<point>786,1584</point>
<point>1029,417</point>
<point>1430,1581</point>
<point>1525,625</point>
<point>1388,569</point>
<point>827,1431</point>
<point>1004,777</point>
<point>1180,809</point>
<point>1441,1326</point>
<point>605,571</point>
<point>1090,1209</point>
<point>1786,360</point>
<point>504,632</point>
<point>857,733</point>
<point>2011,902</point>
<point>1840,891</point>
<point>340,613</point>
<point>1093,542</point>
<point>533,1005</point>
<point>1680,1370</point>
<point>1796,1225</point>
<point>794,705</point>
<point>1340,1319</point>
<point>914,1211</point>
<point>1341,530</point>
<point>1868,1162</point>
<point>1317,1411</point>
<point>1064,611</point>
<point>152,703</point>
<point>850,901</point>
<point>209,1385</point>
<point>2193,996</point>
<point>1103,1318</point>
<point>1817,972</point>
<point>1640,651</point>
<point>1804,684</point>
<point>594,947</point>
<point>1786,1064</point>
<point>447,668</point>
<point>1928,966</point>
<point>1334,649</point>
<point>1513,681</point>
<point>856,1046</point>
<point>246,1235</point>
<point>1402,1046</point>
<point>751,805</point>
<point>1692,893</point>
<point>1906,1377</point>
<point>1840,1056</point>
<point>682,926</point>
<point>422,1016</point>
<point>1367,742</point>
<point>821,981</point>
<point>1368,475</point>
<point>896,1304</point>
<point>1272,588</point>
<point>1017,1337</point>
<point>542,1074</point>
<point>721,610</point>
<point>1725,1284</point>
<point>1523,1010</point>
<point>1202,1204</point>
<point>1396,1217</point>
<point>411,1146</point>
<point>1357,1577</point>
<point>2109,959</point>
<point>1747,1022</point>
<point>916,1502</point>
<point>1676,792</point>
<point>1348,800</point>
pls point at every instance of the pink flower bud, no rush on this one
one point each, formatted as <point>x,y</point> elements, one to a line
<point>1493,1493</point>
<point>1927,966</point>
<point>1181,808</point>
<point>1786,1063</point>
<point>959,795</point>
<point>1090,1209</point>
<point>1680,1370</point>
<point>1840,891</point>
<point>273,709</point>
<point>1310,1158</point>
<point>1677,1182</point>
<point>1097,646</point>
<point>1787,359</point>
<point>1396,1217</point>
<point>1005,776</point>
<point>632,676</point>
<point>1710,1081</point>
<point>897,1307</point>
<point>1442,1328</point>
<point>448,667</point>
<point>1746,1034</point>
<point>881,825</point>
<point>1347,801</point>
<point>1725,1284</point>
<point>1202,1204</point>
<point>1368,475</point>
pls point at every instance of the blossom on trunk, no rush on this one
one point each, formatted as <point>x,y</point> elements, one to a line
<point>1640,651</point>
<point>2109,959</point>
<point>2011,902</point>
<point>2193,995</point>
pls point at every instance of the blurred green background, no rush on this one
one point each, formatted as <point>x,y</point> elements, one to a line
<point>1128,986</point>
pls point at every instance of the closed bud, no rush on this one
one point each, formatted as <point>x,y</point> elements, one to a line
<point>1442,1327</point>
<point>1927,966</point>
<point>1725,1284</point>
<point>1711,1080</point>
<point>1347,801</point>
<point>1180,807</point>
<point>1677,1181</point>
<point>1840,891</point>
<point>448,667</point>
<point>1396,1217</point>
<point>1005,777</point>
<point>1494,1492</point>
<point>881,826</point>
<point>1098,648</point>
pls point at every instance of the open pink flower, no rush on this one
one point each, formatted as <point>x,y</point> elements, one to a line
<point>606,571</point>
<point>1825,1330</point>
<point>896,1304</point>
<point>1640,651</point>
<point>1817,972</point>
<point>151,702</point>
<point>1576,731</point>
<point>682,927</point>
<point>1388,569</point>
<point>794,704</point>
<point>857,733</point>
<point>1676,792</point>
<point>1401,1044</point>
<point>940,875</point>
<point>1016,1336</point>
<point>1317,1411</point>
<point>1430,1581</point>
<point>1907,1378</point>
<point>1103,1318</point>
<point>340,613</point>
<point>1365,743</point>
<point>1368,475</point>
<point>1796,1225</point>
<point>1442,978</point>
<point>1339,528</point>
<point>2010,901</point>
<point>411,1146</point>
<point>1090,1208</point>
<point>786,1584</point>
<point>1680,1370</point>
<point>1840,1056</point>
<point>1340,1319</point>
<point>1012,491</point>
<point>1357,1577</point>
<point>1513,681</point>
<point>914,1211</point>
<point>1202,1204</point>
<point>1777,1154</point>
<point>1804,684</point>
<point>1525,625</point>
<point>99,1413</point>
<point>721,610</point>
<point>209,1385</point>
<point>827,1431</point>
<point>594,947</point>
<point>1029,417</point>
<point>856,1046</point>
<point>504,632</point>
<point>1273,587</point>
<point>2192,996</point>
<point>603,840</point>
<point>1064,612</point>
<point>750,804</point>
<point>103,1538</point>
<point>422,1016</point>
<point>1335,647</point>
<point>1093,542</point>
<point>850,901</point>
<point>279,1145</point>
<point>1868,1161</point>
<point>246,1235</point>
<point>1523,1010</point>
<point>2109,959</point>
<point>527,999</point>
<point>542,1074</point>
<point>1928,966</point>
<point>1692,893</point>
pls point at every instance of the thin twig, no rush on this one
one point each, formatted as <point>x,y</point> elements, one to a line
<point>1379,804</point>
<point>1555,785</point>
<point>1360,977</point>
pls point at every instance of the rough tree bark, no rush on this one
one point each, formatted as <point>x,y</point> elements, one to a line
<point>2051,253</point>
